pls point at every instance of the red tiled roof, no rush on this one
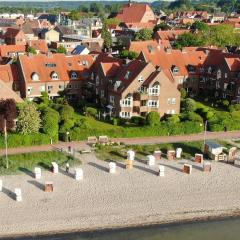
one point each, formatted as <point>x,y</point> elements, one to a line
<point>61,64</point>
<point>9,73</point>
<point>139,25</point>
<point>138,46</point>
<point>110,69</point>
<point>40,45</point>
<point>12,32</point>
<point>134,13</point>
<point>170,35</point>
<point>5,49</point>
<point>233,63</point>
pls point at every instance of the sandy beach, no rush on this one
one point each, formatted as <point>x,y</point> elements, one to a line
<point>128,198</point>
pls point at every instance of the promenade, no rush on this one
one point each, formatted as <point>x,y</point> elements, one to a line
<point>128,141</point>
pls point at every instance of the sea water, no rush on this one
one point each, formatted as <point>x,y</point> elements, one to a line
<point>228,229</point>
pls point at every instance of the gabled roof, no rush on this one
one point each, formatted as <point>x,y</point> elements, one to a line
<point>233,63</point>
<point>111,69</point>
<point>8,93</point>
<point>170,35</point>
<point>138,46</point>
<point>39,45</point>
<point>12,32</point>
<point>5,49</point>
<point>8,73</point>
<point>63,65</point>
<point>134,12</point>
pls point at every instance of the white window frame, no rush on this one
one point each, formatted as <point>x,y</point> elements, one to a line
<point>173,101</point>
<point>54,76</point>
<point>153,103</point>
<point>97,80</point>
<point>112,99</point>
<point>102,93</point>
<point>35,77</point>
<point>125,114</point>
<point>127,102</point>
<point>141,79</point>
<point>42,88</point>
<point>155,90</point>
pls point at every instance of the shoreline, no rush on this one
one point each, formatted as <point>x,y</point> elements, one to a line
<point>210,218</point>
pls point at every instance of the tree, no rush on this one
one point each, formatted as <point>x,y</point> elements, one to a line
<point>67,118</point>
<point>189,105</point>
<point>200,26</point>
<point>153,118</point>
<point>8,112</point>
<point>189,40</point>
<point>112,21</point>
<point>144,34</point>
<point>50,120</point>
<point>183,93</point>
<point>161,26</point>
<point>128,54</point>
<point>31,50</point>
<point>61,49</point>
<point>28,118</point>
<point>44,99</point>
<point>107,37</point>
<point>75,15</point>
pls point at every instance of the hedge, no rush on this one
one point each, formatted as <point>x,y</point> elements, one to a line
<point>163,129</point>
<point>19,140</point>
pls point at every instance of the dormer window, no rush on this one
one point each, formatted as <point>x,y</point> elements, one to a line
<point>54,76</point>
<point>74,75</point>
<point>35,77</point>
<point>141,79</point>
<point>85,63</point>
<point>175,69</point>
<point>127,75</point>
<point>209,70</point>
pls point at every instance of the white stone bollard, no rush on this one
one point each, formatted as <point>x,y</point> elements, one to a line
<point>237,162</point>
<point>112,167</point>
<point>161,170</point>
<point>78,174</point>
<point>151,160</point>
<point>38,173</point>
<point>131,155</point>
<point>54,167</point>
<point>18,194</point>
<point>1,185</point>
<point>178,152</point>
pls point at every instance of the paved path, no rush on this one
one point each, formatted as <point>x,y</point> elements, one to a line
<point>128,141</point>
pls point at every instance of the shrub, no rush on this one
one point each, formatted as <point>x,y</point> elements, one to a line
<point>191,116</point>
<point>173,119</point>
<point>234,107</point>
<point>91,112</point>
<point>153,118</point>
<point>138,120</point>
<point>183,93</point>
<point>189,105</point>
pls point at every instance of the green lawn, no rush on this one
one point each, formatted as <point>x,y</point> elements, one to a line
<point>119,153</point>
<point>26,162</point>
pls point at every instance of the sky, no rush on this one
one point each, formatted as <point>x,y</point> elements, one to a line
<point>70,0</point>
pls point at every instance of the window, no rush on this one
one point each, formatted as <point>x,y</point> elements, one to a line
<point>125,114</point>
<point>173,100</point>
<point>42,88</point>
<point>153,103</point>
<point>97,80</point>
<point>61,87</point>
<point>50,65</point>
<point>112,99</point>
<point>141,79</point>
<point>29,90</point>
<point>173,111</point>
<point>92,76</point>
<point>209,70</point>
<point>97,91</point>
<point>54,76</point>
<point>239,90</point>
<point>102,93</point>
<point>226,75</point>
<point>224,95</point>
<point>180,81</point>
<point>175,69</point>
<point>168,111</point>
<point>127,75</point>
<point>127,102</point>
<point>74,75</point>
<point>217,85</point>
<point>85,63</point>
<point>191,68</point>
<point>169,100</point>
<point>155,90</point>
<point>35,77</point>
<point>69,64</point>
<point>219,74</point>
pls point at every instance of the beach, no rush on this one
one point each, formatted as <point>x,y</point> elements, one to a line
<point>127,198</point>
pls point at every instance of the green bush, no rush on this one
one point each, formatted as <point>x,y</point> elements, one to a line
<point>191,116</point>
<point>138,120</point>
<point>173,119</point>
<point>153,118</point>
<point>189,105</point>
<point>91,112</point>
<point>234,107</point>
